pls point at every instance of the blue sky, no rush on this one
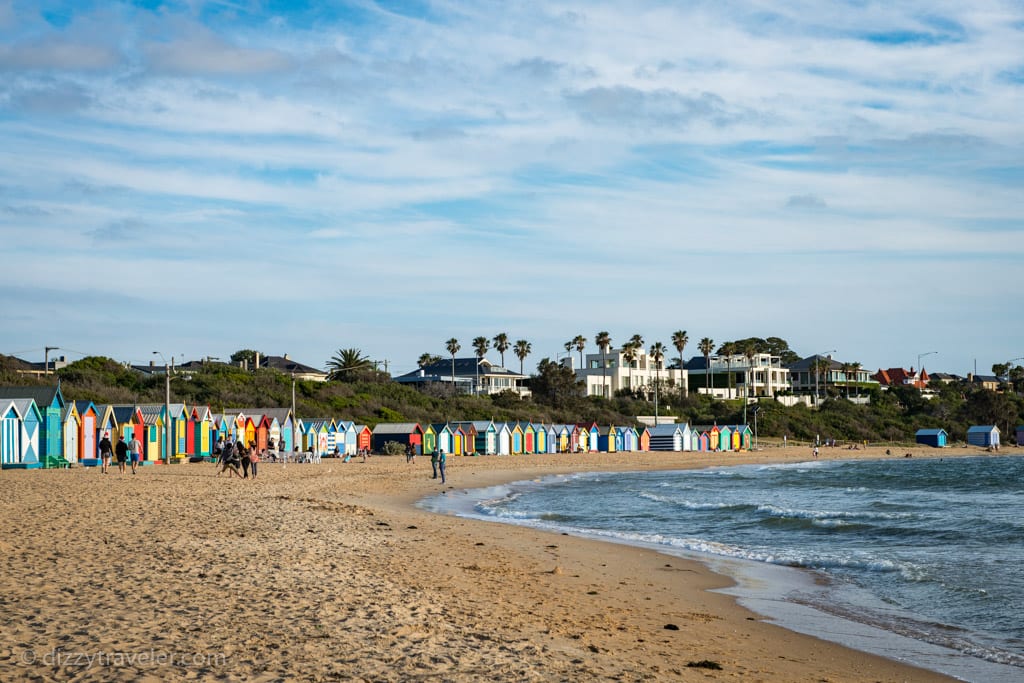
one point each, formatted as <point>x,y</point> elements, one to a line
<point>298,177</point>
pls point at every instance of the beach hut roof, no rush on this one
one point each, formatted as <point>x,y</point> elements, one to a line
<point>26,405</point>
<point>929,432</point>
<point>43,396</point>
<point>662,430</point>
<point>396,427</point>
<point>981,428</point>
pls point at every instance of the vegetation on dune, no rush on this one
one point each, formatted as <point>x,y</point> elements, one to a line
<point>366,396</point>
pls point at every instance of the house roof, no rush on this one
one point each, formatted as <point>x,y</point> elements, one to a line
<point>464,367</point>
<point>982,428</point>
<point>806,363</point>
<point>288,365</point>
<point>396,427</point>
<point>43,396</point>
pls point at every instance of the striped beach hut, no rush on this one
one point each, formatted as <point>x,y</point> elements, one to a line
<point>667,437</point>
<point>50,405</point>
<point>983,435</point>
<point>31,425</point>
<point>10,435</point>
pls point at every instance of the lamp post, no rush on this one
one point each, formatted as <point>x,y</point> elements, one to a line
<point>920,356</point>
<point>817,371</point>
<point>295,421</point>
<point>167,407</point>
<point>46,359</point>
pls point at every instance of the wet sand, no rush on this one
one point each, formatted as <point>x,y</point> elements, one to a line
<point>329,572</point>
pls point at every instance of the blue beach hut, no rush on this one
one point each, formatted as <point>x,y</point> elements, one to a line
<point>983,435</point>
<point>936,438</point>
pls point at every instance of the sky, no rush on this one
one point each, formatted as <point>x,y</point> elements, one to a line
<point>300,177</point>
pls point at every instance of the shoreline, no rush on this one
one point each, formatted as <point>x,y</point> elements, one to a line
<point>331,571</point>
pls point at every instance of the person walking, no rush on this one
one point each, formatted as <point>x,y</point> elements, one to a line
<point>225,453</point>
<point>231,460</point>
<point>243,455</point>
<point>135,449</point>
<point>121,451</point>
<point>440,463</point>
<point>106,450</point>
<point>254,459</point>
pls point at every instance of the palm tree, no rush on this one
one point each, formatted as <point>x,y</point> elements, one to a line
<point>453,348</point>
<point>629,354</point>
<point>728,349</point>
<point>501,345</point>
<point>657,353</point>
<point>679,340</point>
<point>480,345</point>
<point>580,342</point>
<point>706,346</point>
<point>637,341</point>
<point>522,350</point>
<point>568,349</point>
<point>749,351</point>
<point>604,342</point>
<point>854,369</point>
<point>847,369</point>
<point>346,361</point>
<point>428,359</point>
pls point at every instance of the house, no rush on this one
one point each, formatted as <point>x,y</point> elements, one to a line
<point>983,435</point>
<point>611,372</point>
<point>736,375</point>
<point>807,378</point>
<point>989,382</point>
<point>899,377</point>
<point>936,438</point>
<point>405,433</point>
<point>467,375</point>
<point>50,404</point>
<point>286,365</point>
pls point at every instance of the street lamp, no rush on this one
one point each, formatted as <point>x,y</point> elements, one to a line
<point>167,407</point>
<point>817,360</point>
<point>920,356</point>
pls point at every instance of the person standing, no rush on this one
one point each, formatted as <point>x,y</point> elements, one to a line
<point>121,451</point>
<point>243,456</point>
<point>433,461</point>
<point>106,450</point>
<point>135,449</point>
<point>440,463</point>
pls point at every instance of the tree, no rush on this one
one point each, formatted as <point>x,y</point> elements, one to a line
<point>750,352</point>
<point>629,350</point>
<point>480,345</point>
<point>346,364</point>
<point>657,353</point>
<point>728,349</point>
<point>453,348</point>
<point>706,346</point>
<point>428,359</point>
<point>679,340</point>
<point>501,345</point>
<point>555,385</point>
<point>522,350</point>
<point>247,355</point>
<point>604,343</point>
<point>580,342</point>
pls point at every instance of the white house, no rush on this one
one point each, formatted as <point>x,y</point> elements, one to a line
<point>605,375</point>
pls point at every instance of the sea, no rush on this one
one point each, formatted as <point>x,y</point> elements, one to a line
<point>919,560</point>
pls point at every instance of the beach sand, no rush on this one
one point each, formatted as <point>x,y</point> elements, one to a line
<point>328,572</point>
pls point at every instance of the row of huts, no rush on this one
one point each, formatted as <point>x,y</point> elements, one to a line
<point>38,428</point>
<point>986,436</point>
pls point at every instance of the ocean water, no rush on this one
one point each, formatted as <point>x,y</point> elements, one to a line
<point>918,560</point>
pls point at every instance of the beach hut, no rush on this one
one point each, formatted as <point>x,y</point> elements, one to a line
<point>50,406</point>
<point>202,431</point>
<point>10,434</point>
<point>405,433</point>
<point>724,438</point>
<point>626,437</point>
<point>607,441</point>
<point>516,431</point>
<point>444,438</point>
<point>107,424</point>
<point>581,433</point>
<point>529,438</point>
<point>458,440</point>
<point>694,440</point>
<point>643,438</point>
<point>31,423</point>
<point>983,435</point>
<point>1020,435</point>
<point>482,434</point>
<point>151,430</point>
<point>88,438</point>
<point>740,437</point>
<point>563,438</point>
<point>364,438</point>
<point>347,437</point>
<point>667,437</point>
<point>72,427</point>
<point>429,440</point>
<point>541,444</point>
<point>470,436</point>
<point>936,438</point>
<point>504,438</point>
<point>704,441</point>
<point>593,437</point>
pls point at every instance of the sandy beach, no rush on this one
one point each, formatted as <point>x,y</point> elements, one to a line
<point>329,572</point>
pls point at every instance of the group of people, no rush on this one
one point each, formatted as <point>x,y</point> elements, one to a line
<point>125,453</point>
<point>237,458</point>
